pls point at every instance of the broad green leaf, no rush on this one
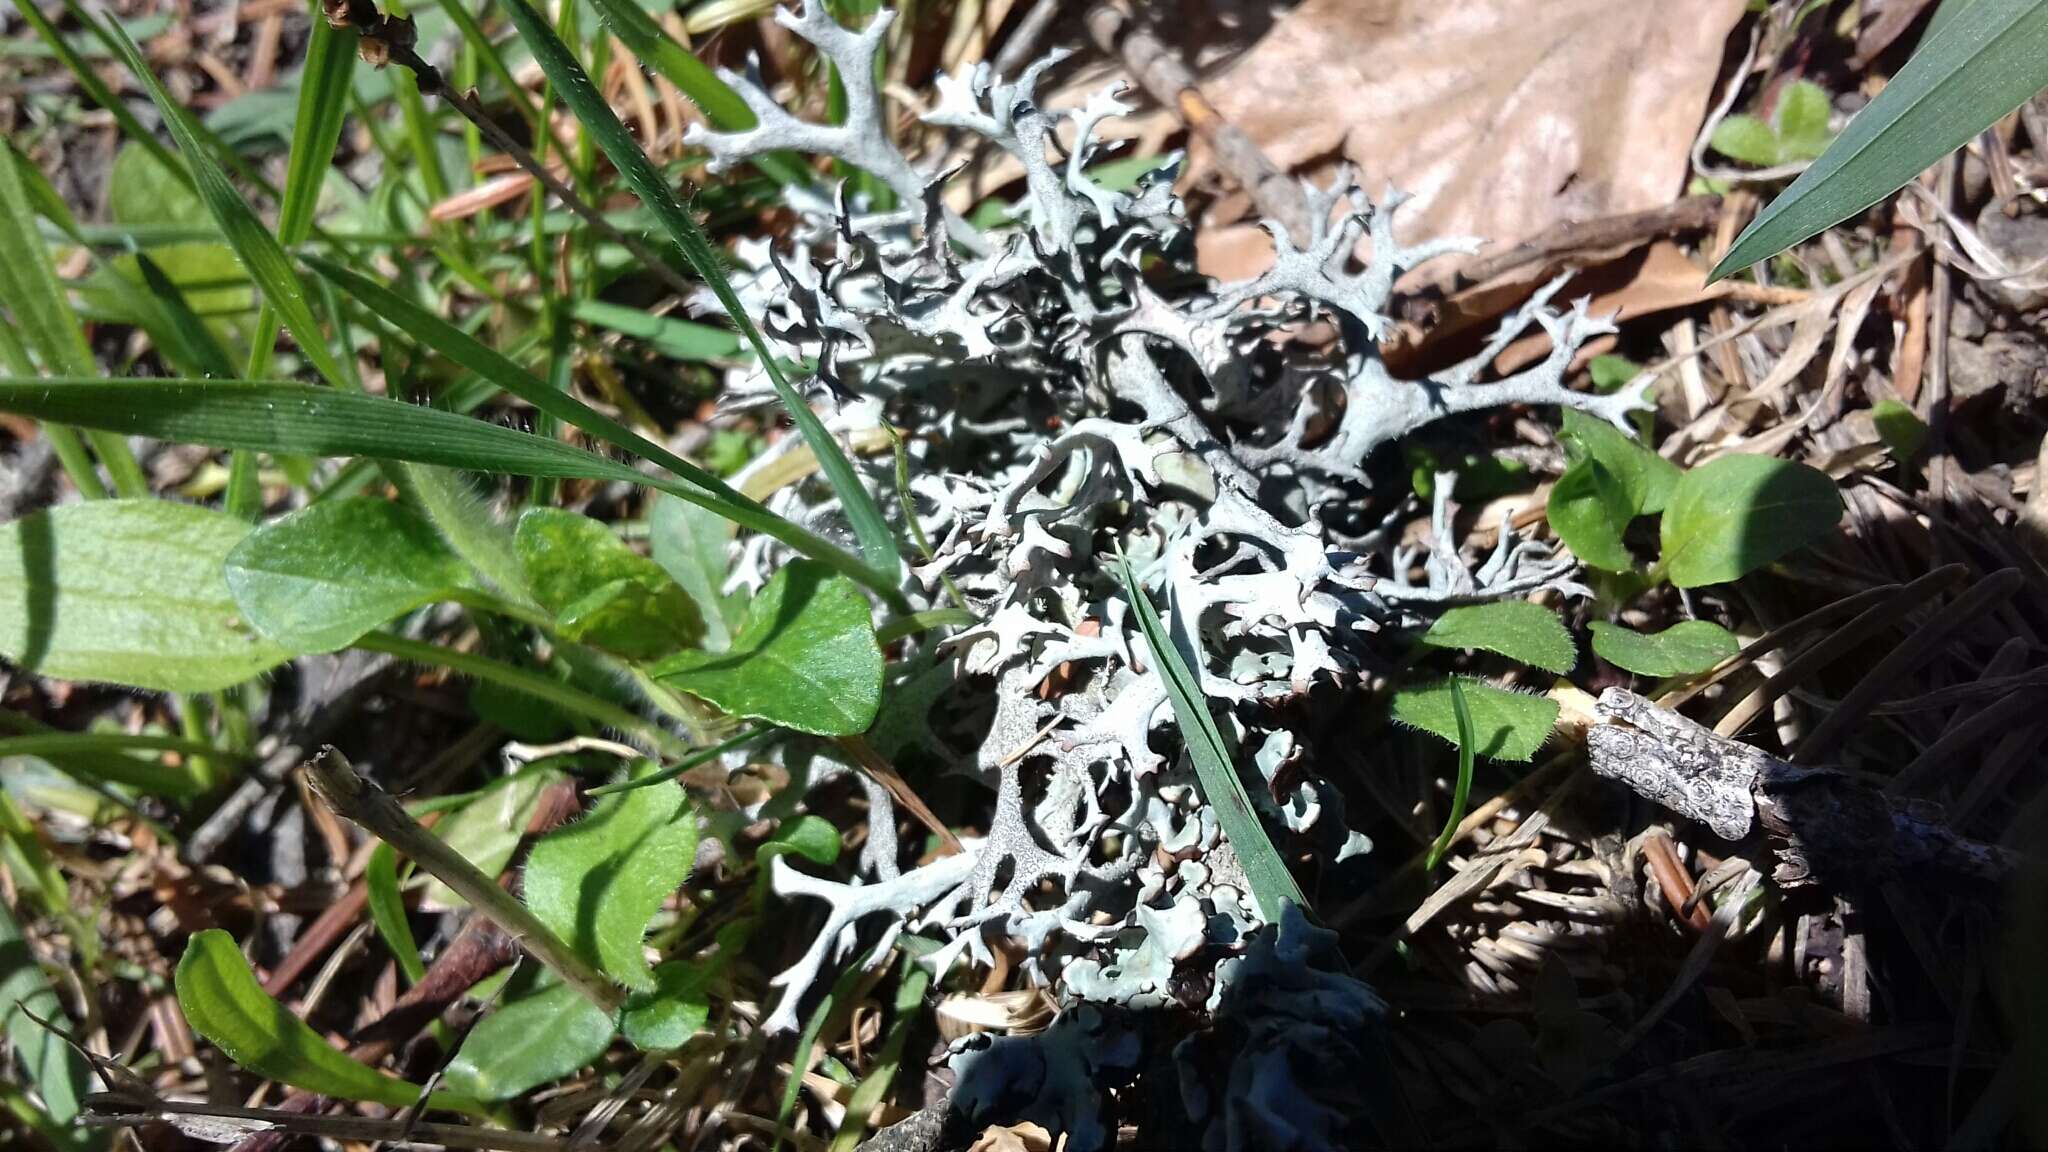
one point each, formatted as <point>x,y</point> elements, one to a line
<point>143,190</point>
<point>1272,885</point>
<point>1733,515</point>
<point>812,837</point>
<point>223,1002</point>
<point>542,1036</point>
<point>280,416</point>
<point>487,830</point>
<point>675,338</point>
<point>1609,372</point>
<point>1901,429</point>
<point>671,1012</point>
<point>1516,629</point>
<point>1973,68</point>
<point>1647,477</point>
<point>1686,647</point>
<point>690,543</point>
<point>1748,139</point>
<point>572,83</point>
<point>1801,118</point>
<point>127,592</point>
<point>253,242</point>
<point>1589,509</point>
<point>1509,725</point>
<point>316,580</point>
<point>58,1075</point>
<point>598,882</point>
<point>805,658</point>
<point>387,912</point>
<point>601,592</point>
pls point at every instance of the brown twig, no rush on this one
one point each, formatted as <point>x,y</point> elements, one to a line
<point>1160,72</point>
<point>338,784</point>
<point>1690,214</point>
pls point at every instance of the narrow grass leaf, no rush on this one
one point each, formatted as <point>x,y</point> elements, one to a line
<point>387,912</point>
<point>1461,794</point>
<point>464,349</point>
<point>223,1002</point>
<point>804,658</point>
<point>127,592</point>
<point>89,82</point>
<point>29,289</point>
<point>1516,629</point>
<point>254,244</point>
<point>598,882</point>
<point>324,81</point>
<point>1974,67</point>
<point>1272,885</point>
<point>282,416</point>
<point>673,337</point>
<point>878,542</point>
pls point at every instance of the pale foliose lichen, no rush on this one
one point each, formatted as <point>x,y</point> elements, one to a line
<point>1069,384</point>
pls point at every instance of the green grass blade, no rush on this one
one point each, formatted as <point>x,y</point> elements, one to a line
<point>1975,66</point>
<point>253,243</point>
<point>184,338</point>
<point>465,350</point>
<point>1462,795</point>
<point>721,106</point>
<point>1271,883</point>
<point>283,416</point>
<point>878,542</point>
<point>316,128</point>
<point>29,289</point>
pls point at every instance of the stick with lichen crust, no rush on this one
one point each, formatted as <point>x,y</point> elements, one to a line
<point>349,794</point>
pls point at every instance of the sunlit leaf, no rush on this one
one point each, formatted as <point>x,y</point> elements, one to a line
<point>599,881</point>
<point>1733,515</point>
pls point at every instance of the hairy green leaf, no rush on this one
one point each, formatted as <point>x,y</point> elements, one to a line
<point>1647,477</point>
<point>223,1002</point>
<point>1976,65</point>
<point>544,1035</point>
<point>1509,725</point>
<point>598,882</point>
<point>1589,509</point>
<point>601,592</point>
<point>318,579</point>
<point>1516,629</point>
<point>673,1010</point>
<point>1272,885</point>
<point>127,592</point>
<point>805,658</point>
<point>1686,647</point>
<point>1735,514</point>
<point>878,541</point>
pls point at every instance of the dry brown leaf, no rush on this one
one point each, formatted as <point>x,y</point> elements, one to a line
<point>1502,117</point>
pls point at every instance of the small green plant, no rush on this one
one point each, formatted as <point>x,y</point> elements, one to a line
<point>1797,129</point>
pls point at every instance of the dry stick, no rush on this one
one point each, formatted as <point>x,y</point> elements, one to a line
<point>337,782</point>
<point>351,1129</point>
<point>1926,642</point>
<point>1688,214</point>
<point>1161,74</point>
